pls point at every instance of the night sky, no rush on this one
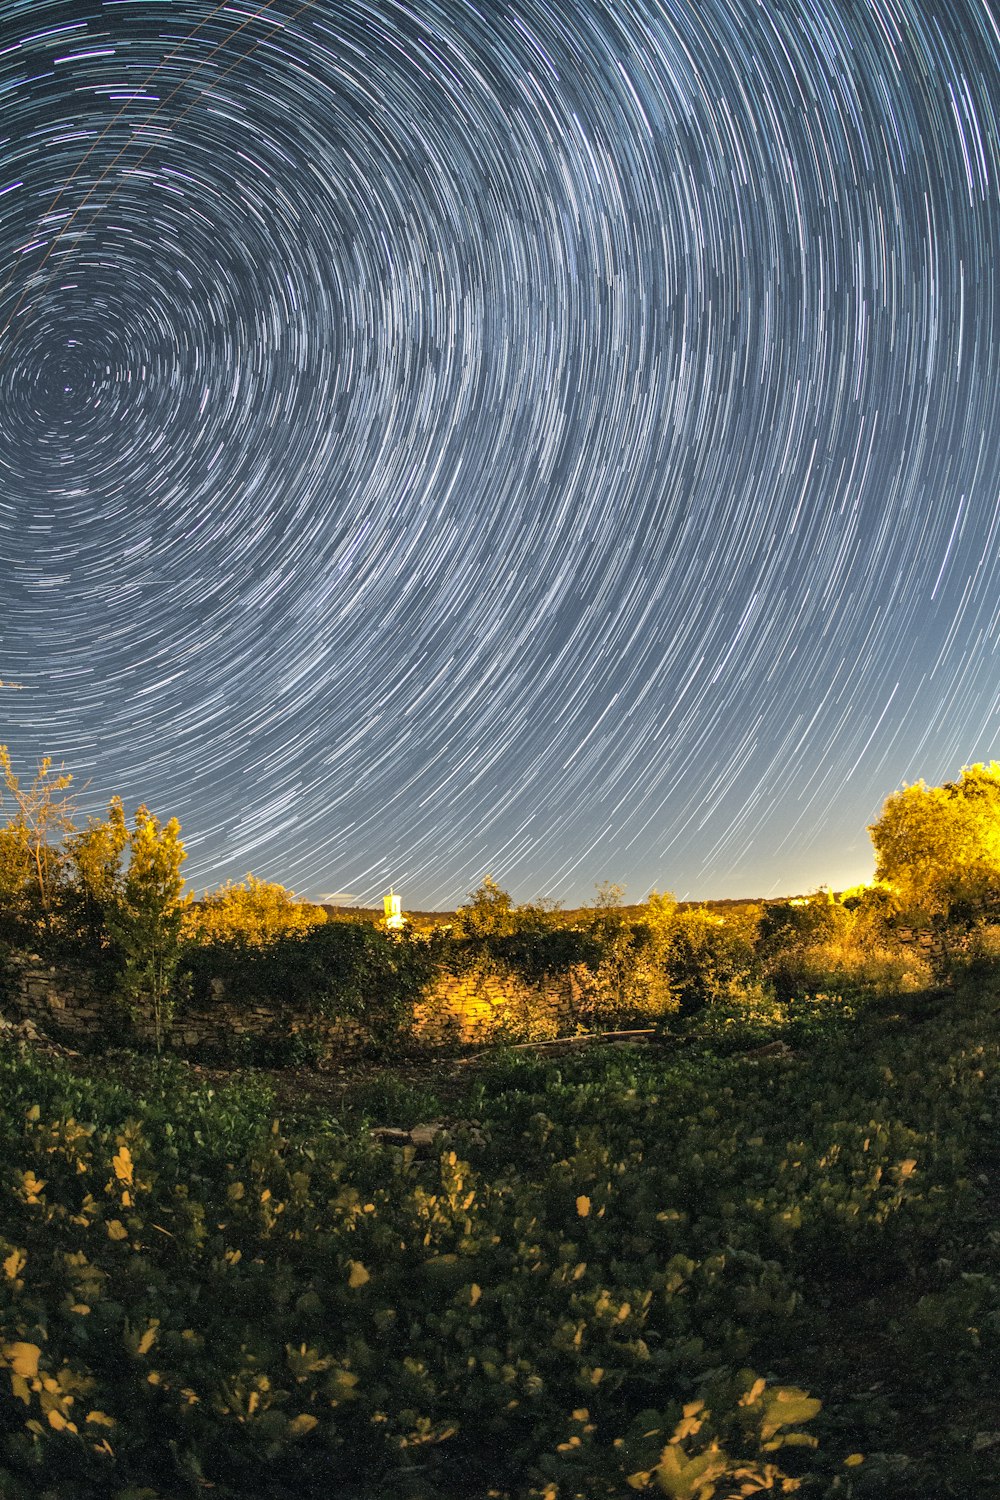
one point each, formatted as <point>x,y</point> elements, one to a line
<point>554,440</point>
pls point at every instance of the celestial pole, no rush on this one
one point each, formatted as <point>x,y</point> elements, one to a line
<point>553,440</point>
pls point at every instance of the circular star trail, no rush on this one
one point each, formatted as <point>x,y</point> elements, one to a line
<point>558,440</point>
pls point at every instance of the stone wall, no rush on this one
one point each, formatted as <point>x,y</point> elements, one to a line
<point>52,997</point>
<point>471,1008</point>
<point>481,1007</point>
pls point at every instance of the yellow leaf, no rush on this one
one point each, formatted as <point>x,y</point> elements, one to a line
<point>80,1308</point>
<point>117,1230</point>
<point>100,1419</point>
<point>15,1264</point>
<point>22,1359</point>
<point>583,1206</point>
<point>302,1424</point>
<point>122,1163</point>
<point>148,1339</point>
<point>853,1459</point>
<point>32,1185</point>
<point>358,1275</point>
<point>58,1422</point>
<point>475,1292</point>
<point>907,1167</point>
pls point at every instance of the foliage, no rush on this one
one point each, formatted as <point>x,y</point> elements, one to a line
<point>657,918</point>
<point>32,861</point>
<point>710,958</point>
<point>938,848</point>
<point>535,953</point>
<point>487,914</point>
<point>93,889</point>
<point>253,914</point>
<point>830,946</point>
<point>366,973</point>
<point>145,921</point>
<point>530,940</point>
<point>983,948</point>
<point>330,971</point>
<point>638,1273</point>
<point>615,995</point>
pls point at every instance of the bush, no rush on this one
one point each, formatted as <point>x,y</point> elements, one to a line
<point>826,947</point>
<point>334,971</point>
<point>709,960</point>
<point>533,955</point>
<point>8,977</point>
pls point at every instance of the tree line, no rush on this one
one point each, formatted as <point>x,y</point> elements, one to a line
<point>107,894</point>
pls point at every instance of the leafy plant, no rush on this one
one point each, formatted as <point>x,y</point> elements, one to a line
<point>145,921</point>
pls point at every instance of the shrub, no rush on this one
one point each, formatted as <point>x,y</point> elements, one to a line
<point>825,946</point>
<point>709,960</point>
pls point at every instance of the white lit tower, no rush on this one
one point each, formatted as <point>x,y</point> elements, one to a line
<point>394,919</point>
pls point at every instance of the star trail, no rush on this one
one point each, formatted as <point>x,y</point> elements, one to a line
<point>553,439</point>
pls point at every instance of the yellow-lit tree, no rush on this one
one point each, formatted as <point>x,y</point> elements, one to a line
<point>489,912</point>
<point>94,876</point>
<point>147,918</point>
<point>252,914</point>
<point>938,847</point>
<point>32,856</point>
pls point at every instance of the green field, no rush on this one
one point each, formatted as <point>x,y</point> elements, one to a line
<point>677,1269</point>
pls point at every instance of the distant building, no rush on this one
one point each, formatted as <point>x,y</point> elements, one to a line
<point>394,919</point>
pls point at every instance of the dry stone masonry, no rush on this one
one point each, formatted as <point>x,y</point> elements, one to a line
<point>457,1009</point>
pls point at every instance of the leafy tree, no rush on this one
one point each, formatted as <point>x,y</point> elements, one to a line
<point>95,876</point>
<point>253,914</point>
<point>15,878</point>
<point>938,848</point>
<point>541,943</point>
<point>354,969</point>
<point>608,919</point>
<point>489,912</point>
<point>788,928</point>
<point>618,945</point>
<point>147,919</point>
<point>32,856</point>
<point>528,939</point>
<point>657,919</point>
